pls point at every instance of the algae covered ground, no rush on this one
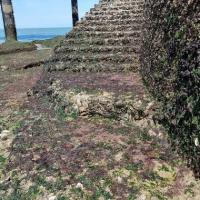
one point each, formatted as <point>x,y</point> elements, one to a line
<point>56,142</point>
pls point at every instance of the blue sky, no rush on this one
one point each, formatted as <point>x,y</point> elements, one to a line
<point>46,13</point>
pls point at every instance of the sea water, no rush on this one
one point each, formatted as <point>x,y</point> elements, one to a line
<point>31,34</point>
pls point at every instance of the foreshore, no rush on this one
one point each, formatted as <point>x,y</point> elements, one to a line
<point>21,55</point>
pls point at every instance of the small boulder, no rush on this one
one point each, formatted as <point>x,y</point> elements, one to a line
<point>4,68</point>
<point>4,135</point>
<point>53,197</point>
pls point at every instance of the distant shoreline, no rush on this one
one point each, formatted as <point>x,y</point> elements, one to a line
<point>1,29</point>
<point>31,34</point>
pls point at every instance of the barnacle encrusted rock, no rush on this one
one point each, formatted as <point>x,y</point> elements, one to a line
<point>126,107</point>
<point>170,59</point>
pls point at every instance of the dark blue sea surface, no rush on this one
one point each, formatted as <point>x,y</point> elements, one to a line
<point>30,34</point>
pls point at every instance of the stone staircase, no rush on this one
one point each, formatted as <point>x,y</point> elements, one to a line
<point>106,39</point>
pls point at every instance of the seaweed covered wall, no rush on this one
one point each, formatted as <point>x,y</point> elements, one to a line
<point>171,70</point>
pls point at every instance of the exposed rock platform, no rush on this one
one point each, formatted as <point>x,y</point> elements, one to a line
<point>89,135</point>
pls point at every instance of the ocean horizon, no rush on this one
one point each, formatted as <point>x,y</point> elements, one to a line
<point>31,34</point>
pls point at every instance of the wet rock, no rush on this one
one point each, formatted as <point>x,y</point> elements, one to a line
<point>4,68</point>
<point>154,198</point>
<point>119,156</point>
<point>6,139</point>
<point>80,186</point>
<point>52,198</point>
<point>4,135</point>
<point>119,179</point>
<point>36,157</point>
<point>152,133</point>
<point>30,92</point>
<point>142,197</point>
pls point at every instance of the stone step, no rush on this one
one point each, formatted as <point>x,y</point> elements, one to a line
<point>117,8</point>
<point>102,41</point>
<point>114,17</point>
<point>119,57</point>
<point>121,3</point>
<point>110,22</point>
<point>97,49</point>
<point>105,35</point>
<point>126,27</point>
<point>93,66</point>
<point>116,12</point>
